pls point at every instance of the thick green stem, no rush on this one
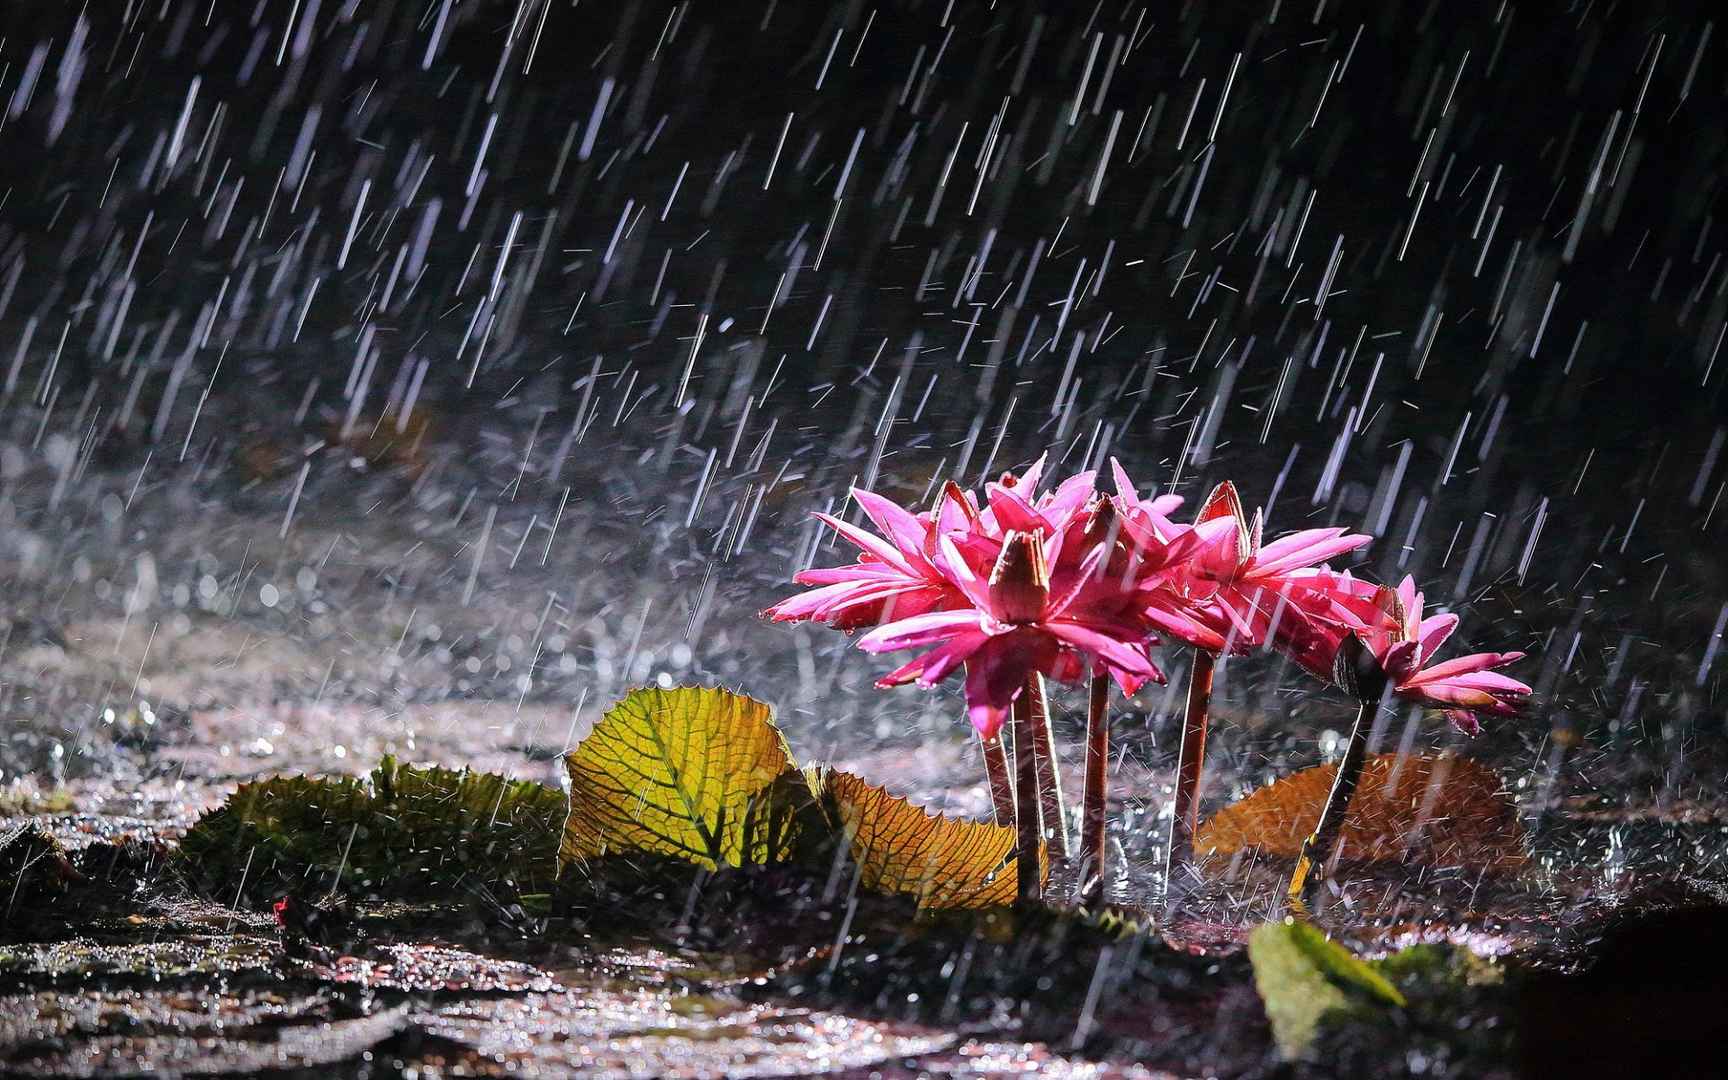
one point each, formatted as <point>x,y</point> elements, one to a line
<point>1053,807</point>
<point>1190,763</point>
<point>1319,849</point>
<point>1028,822</point>
<point>1001,781</point>
<point>1092,821</point>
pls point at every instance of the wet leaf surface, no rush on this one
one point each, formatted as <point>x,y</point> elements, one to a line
<point>1306,980</point>
<point>1441,811</point>
<point>704,776</point>
<point>942,861</point>
<point>697,774</point>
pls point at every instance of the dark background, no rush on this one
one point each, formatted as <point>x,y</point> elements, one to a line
<point>986,231</point>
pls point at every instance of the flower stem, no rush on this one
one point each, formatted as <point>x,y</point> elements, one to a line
<point>1317,850</point>
<point>1092,827</point>
<point>1053,808</point>
<point>1001,782</point>
<point>1185,815</point>
<point>1028,823</point>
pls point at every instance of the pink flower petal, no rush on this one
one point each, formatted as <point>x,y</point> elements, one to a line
<point>1165,505</point>
<point>868,541</point>
<point>897,523</point>
<point>834,575</point>
<point>1433,632</point>
<point>1489,681</point>
<point>812,604</point>
<point>1457,696</point>
<point>1304,549</point>
<point>1113,652</point>
<point>883,605</point>
<point>1085,575</point>
<point>995,675</point>
<point>1128,682</point>
<point>919,630</point>
<point>1463,665</point>
<point>1124,486</point>
<point>1412,603</point>
<point>1027,482</point>
<point>959,571</point>
<point>958,511</point>
<point>1465,721</point>
<point>1187,626</point>
<point>1014,514</point>
<point>1213,540</point>
<point>1073,495</point>
<point>987,717</point>
<point>932,667</point>
<point>1400,661</point>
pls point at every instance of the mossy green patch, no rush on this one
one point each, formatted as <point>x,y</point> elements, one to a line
<point>403,831</point>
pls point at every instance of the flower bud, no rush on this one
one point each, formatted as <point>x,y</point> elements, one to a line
<point>955,494</point>
<point>1357,670</point>
<point>1020,580</point>
<point>1103,527</point>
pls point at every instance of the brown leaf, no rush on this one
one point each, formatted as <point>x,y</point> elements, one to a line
<point>944,862</point>
<point>1443,811</point>
<point>390,440</point>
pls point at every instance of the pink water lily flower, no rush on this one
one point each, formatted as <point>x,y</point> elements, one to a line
<point>899,574</point>
<point>1404,644</point>
<point>1008,588</point>
<point>1015,625</point>
<point>1244,593</point>
<point>1462,687</point>
<point>1153,513</point>
<point>894,577</point>
<point>1014,504</point>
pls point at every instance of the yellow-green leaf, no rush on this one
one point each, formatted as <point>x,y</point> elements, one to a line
<point>699,774</point>
<point>899,848</point>
<point>1305,978</point>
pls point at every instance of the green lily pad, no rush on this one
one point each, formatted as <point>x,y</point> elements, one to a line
<point>1306,979</point>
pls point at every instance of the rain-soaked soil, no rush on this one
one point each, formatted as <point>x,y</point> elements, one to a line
<point>114,962</point>
<point>415,378</point>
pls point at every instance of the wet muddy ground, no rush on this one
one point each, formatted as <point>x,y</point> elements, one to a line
<point>130,969</point>
<point>124,965</point>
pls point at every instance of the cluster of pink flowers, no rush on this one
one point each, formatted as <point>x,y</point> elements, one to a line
<point>1073,582</point>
